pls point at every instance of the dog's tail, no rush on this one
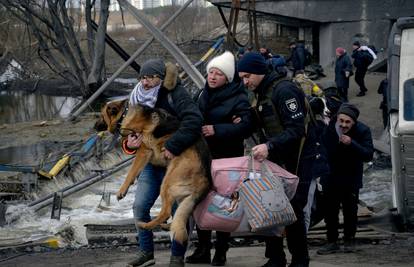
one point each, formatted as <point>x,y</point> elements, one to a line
<point>179,222</point>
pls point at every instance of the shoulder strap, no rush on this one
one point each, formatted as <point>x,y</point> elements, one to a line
<point>310,118</point>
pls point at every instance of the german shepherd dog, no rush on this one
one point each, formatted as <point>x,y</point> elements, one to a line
<point>187,179</point>
<point>111,117</point>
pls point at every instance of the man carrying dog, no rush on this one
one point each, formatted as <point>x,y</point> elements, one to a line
<point>159,87</point>
<point>281,113</point>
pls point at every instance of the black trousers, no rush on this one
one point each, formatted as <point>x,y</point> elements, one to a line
<point>295,233</point>
<point>222,239</point>
<point>359,79</point>
<point>334,198</point>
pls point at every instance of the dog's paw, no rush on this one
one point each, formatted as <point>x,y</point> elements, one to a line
<point>121,193</point>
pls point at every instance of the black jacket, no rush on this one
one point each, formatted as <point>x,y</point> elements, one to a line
<point>342,64</point>
<point>175,99</point>
<point>298,57</point>
<point>361,59</point>
<point>346,161</point>
<point>218,107</point>
<point>284,147</point>
<point>314,158</point>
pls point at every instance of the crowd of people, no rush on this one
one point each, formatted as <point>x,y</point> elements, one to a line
<point>292,130</point>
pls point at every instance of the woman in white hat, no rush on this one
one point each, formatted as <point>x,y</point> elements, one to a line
<point>227,122</point>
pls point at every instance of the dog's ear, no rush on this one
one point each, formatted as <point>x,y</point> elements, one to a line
<point>112,110</point>
<point>115,107</point>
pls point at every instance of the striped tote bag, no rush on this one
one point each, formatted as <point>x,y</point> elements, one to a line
<point>265,201</point>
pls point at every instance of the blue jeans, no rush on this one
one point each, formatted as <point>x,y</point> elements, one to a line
<point>148,189</point>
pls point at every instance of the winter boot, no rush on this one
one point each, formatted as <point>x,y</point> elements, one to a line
<point>143,259</point>
<point>176,261</point>
<point>328,249</point>
<point>201,255</point>
<point>219,258</point>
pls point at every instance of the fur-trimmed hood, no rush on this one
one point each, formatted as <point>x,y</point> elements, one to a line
<point>171,76</point>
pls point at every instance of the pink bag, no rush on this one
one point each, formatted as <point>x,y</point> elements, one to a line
<point>228,173</point>
<point>220,213</point>
<point>214,212</point>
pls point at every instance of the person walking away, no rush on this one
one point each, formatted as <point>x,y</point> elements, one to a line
<point>159,87</point>
<point>299,57</point>
<point>362,59</point>
<point>281,113</point>
<point>343,70</point>
<point>349,144</point>
<point>221,102</point>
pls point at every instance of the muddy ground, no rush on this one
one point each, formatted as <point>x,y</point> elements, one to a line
<point>395,251</point>
<point>388,250</point>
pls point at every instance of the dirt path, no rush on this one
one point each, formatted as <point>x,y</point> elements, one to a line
<point>392,252</point>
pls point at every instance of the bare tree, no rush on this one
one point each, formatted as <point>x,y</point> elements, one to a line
<point>51,23</point>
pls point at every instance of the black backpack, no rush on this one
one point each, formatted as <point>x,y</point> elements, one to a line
<point>367,57</point>
<point>373,49</point>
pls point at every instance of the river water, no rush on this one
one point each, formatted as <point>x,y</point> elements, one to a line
<point>19,106</point>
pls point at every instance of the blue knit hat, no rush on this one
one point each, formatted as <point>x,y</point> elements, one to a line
<point>252,63</point>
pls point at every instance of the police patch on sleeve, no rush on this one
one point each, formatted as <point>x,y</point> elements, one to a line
<point>292,105</point>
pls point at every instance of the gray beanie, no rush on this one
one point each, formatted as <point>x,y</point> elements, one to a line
<point>153,67</point>
<point>350,110</point>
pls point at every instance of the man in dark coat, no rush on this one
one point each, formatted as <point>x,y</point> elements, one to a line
<point>159,87</point>
<point>280,114</point>
<point>343,70</point>
<point>361,64</point>
<point>349,145</point>
<point>297,56</point>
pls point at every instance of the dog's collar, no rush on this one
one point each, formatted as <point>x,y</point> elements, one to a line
<point>119,123</point>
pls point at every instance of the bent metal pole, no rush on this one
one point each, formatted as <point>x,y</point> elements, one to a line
<point>182,59</point>
<point>76,113</point>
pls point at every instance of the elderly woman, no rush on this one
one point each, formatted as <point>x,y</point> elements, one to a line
<point>226,110</point>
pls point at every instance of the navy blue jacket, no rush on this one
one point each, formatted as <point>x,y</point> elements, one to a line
<point>342,64</point>
<point>218,107</point>
<point>346,161</point>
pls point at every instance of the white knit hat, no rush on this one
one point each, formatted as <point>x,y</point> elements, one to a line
<point>225,63</point>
